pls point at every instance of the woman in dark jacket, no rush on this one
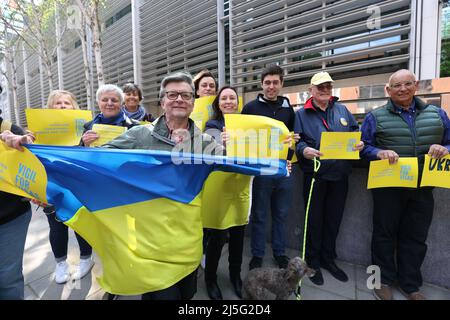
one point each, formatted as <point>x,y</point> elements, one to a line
<point>225,102</point>
<point>110,99</point>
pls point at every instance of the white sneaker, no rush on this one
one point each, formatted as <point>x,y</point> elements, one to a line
<point>83,269</point>
<point>62,274</point>
<point>203,262</point>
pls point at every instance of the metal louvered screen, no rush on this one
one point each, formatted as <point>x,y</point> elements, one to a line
<point>307,36</point>
<point>118,52</point>
<point>176,35</point>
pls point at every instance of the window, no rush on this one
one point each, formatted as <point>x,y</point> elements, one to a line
<point>122,13</point>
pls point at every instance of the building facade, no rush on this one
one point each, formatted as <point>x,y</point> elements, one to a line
<point>357,41</point>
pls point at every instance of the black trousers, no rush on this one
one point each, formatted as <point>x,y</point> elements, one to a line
<point>401,220</point>
<point>325,216</point>
<point>184,289</point>
<point>217,239</point>
<point>59,239</point>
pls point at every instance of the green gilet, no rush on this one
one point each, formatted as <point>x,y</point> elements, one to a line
<point>393,133</point>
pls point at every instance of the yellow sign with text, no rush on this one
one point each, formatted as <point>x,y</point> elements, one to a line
<point>256,137</point>
<point>203,110</point>
<point>57,127</point>
<point>22,173</point>
<point>339,145</point>
<point>436,172</point>
<point>106,133</point>
<point>404,173</point>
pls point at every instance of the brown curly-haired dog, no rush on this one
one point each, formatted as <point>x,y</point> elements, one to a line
<point>280,282</point>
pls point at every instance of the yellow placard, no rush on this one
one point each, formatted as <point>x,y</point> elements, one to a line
<point>203,110</point>
<point>256,137</point>
<point>106,133</point>
<point>339,145</point>
<point>436,172</point>
<point>57,127</point>
<point>226,200</point>
<point>22,173</point>
<point>404,173</point>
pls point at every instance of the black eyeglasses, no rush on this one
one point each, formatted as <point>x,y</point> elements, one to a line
<point>173,95</point>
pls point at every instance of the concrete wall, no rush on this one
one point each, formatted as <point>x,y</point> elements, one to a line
<point>353,243</point>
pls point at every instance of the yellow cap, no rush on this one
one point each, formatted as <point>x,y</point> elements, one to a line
<point>321,77</point>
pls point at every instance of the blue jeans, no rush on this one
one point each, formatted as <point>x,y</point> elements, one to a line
<point>276,194</point>
<point>12,245</point>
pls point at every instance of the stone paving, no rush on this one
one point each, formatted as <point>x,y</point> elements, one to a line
<point>40,285</point>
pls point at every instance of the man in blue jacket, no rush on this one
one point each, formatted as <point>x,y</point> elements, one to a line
<point>268,192</point>
<point>405,127</point>
<point>323,113</point>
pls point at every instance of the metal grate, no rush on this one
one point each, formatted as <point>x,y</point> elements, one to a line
<point>307,36</point>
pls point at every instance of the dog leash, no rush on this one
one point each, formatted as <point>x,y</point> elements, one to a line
<point>298,291</point>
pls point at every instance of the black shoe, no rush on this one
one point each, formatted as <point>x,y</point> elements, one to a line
<point>317,279</point>
<point>237,285</point>
<point>335,271</point>
<point>110,296</point>
<point>213,290</point>
<point>282,261</point>
<point>256,262</point>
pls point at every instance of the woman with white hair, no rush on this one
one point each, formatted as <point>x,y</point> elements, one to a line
<point>110,99</point>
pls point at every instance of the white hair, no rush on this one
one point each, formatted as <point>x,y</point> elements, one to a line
<point>110,88</point>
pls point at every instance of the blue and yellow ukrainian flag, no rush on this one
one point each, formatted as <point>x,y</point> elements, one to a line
<point>139,211</point>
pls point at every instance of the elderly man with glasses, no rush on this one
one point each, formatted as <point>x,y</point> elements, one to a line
<point>322,113</point>
<point>405,127</point>
<point>173,131</point>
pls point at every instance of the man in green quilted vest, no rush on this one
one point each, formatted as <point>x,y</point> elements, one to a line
<point>404,127</point>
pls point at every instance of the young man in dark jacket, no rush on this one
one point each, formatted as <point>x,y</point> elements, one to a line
<point>268,192</point>
<point>15,216</point>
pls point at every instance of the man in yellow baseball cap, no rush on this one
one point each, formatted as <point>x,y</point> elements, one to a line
<point>320,78</point>
<point>322,113</point>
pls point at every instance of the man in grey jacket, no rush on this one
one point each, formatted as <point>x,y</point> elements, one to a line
<point>175,132</point>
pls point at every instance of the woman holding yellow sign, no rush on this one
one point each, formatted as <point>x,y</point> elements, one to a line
<point>226,102</point>
<point>59,232</point>
<point>110,99</point>
<point>322,113</point>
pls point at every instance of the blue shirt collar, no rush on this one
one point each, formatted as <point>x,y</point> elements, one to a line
<point>411,109</point>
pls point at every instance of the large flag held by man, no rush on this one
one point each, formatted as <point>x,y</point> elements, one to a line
<point>140,212</point>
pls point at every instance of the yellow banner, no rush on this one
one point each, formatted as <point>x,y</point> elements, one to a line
<point>226,200</point>
<point>339,145</point>
<point>57,127</point>
<point>106,133</point>
<point>203,110</point>
<point>436,172</point>
<point>22,173</point>
<point>256,137</point>
<point>402,174</point>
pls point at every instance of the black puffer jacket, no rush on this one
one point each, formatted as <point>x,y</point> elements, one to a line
<point>12,206</point>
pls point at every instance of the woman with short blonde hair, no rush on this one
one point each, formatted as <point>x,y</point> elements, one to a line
<point>62,99</point>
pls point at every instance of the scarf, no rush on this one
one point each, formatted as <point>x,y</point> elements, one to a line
<point>115,121</point>
<point>137,115</point>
